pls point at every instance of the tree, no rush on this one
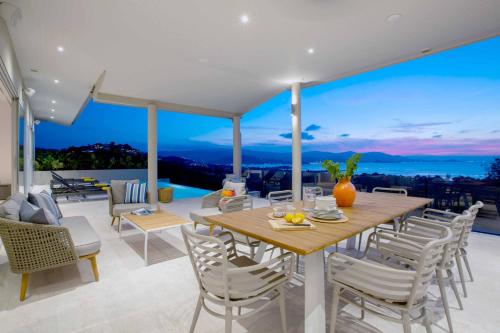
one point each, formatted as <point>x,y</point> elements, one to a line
<point>494,170</point>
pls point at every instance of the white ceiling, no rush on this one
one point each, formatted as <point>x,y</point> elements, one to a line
<point>197,52</point>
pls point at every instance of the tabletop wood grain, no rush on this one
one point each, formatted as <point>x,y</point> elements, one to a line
<point>369,210</point>
<point>157,220</point>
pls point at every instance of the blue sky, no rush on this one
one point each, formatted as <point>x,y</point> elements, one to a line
<point>443,104</point>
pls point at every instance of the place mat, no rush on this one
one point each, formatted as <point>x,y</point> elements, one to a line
<point>282,225</point>
<point>341,220</point>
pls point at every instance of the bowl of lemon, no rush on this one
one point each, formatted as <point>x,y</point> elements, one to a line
<point>296,218</point>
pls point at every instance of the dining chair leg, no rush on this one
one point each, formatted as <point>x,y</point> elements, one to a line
<point>444,298</point>
<point>229,319</point>
<point>466,262</point>
<point>282,309</point>
<point>195,224</point>
<point>113,220</point>
<point>406,322</point>
<point>362,308</point>
<point>297,264</point>
<point>196,314</point>
<point>461,273</point>
<point>335,308</point>
<point>426,320</point>
<point>211,229</point>
<point>95,270</point>
<point>360,239</point>
<point>454,288</point>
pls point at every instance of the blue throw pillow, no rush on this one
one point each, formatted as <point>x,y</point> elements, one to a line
<point>135,193</point>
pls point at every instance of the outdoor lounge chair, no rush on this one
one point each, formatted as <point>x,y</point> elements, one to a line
<point>66,187</point>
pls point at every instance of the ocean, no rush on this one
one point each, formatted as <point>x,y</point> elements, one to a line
<point>474,167</point>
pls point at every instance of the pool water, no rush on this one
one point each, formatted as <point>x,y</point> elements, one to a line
<point>184,192</point>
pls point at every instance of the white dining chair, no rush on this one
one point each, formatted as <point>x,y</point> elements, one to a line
<point>461,254</point>
<point>397,220</point>
<point>280,196</point>
<point>232,281</point>
<point>378,287</point>
<point>235,204</point>
<point>429,230</point>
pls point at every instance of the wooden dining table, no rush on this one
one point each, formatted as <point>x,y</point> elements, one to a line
<point>369,210</point>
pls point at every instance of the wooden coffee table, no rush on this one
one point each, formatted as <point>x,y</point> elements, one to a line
<point>156,222</point>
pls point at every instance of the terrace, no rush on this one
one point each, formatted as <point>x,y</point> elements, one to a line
<point>218,60</point>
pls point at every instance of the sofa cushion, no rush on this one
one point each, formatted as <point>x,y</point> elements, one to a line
<point>84,237</point>
<point>135,193</point>
<point>126,208</point>
<point>10,209</point>
<point>118,189</point>
<point>33,214</point>
<point>53,207</point>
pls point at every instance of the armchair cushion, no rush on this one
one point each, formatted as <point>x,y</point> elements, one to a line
<point>45,201</point>
<point>118,209</point>
<point>10,210</point>
<point>33,214</point>
<point>135,193</point>
<point>84,237</point>
<point>118,189</point>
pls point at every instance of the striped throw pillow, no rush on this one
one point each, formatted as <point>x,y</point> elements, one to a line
<point>135,193</point>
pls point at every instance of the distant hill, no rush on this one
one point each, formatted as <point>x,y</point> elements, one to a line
<point>225,156</point>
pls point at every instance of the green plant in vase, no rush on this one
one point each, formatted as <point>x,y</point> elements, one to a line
<point>344,191</point>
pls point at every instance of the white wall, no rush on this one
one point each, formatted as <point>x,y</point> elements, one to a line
<point>6,153</point>
<point>44,177</point>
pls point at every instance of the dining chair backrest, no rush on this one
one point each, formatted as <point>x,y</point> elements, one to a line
<point>209,257</point>
<point>219,279</point>
<point>280,196</point>
<point>316,189</point>
<point>473,210</point>
<point>422,254</point>
<point>234,204</point>
<point>390,190</point>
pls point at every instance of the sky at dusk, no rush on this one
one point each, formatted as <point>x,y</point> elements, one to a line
<point>443,104</point>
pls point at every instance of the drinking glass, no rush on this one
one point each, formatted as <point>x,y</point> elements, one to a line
<point>309,198</point>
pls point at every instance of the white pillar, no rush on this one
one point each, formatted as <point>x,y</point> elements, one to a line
<point>153,154</point>
<point>296,143</point>
<point>28,149</point>
<point>236,146</point>
<point>15,147</point>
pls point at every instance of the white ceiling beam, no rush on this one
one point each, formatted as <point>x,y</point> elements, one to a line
<point>164,106</point>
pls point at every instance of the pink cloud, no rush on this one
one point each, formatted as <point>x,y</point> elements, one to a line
<point>414,146</point>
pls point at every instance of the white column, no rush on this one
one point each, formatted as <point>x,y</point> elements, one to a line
<point>236,146</point>
<point>153,154</point>
<point>28,149</point>
<point>15,147</point>
<point>296,143</point>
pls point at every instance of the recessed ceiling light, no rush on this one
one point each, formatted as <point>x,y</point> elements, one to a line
<point>203,60</point>
<point>52,110</point>
<point>51,117</point>
<point>53,102</point>
<point>393,18</point>
<point>424,51</point>
<point>34,70</point>
<point>310,50</point>
<point>60,49</point>
<point>56,81</point>
<point>244,19</point>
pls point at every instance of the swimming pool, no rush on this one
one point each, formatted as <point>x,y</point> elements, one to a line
<point>182,191</point>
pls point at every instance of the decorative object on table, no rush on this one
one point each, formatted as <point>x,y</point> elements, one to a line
<point>344,191</point>
<point>280,209</point>
<point>282,225</point>
<point>228,193</point>
<point>325,203</point>
<point>166,194</point>
<point>141,212</point>
<point>327,216</point>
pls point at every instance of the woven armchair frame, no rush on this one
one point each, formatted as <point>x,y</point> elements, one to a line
<point>34,247</point>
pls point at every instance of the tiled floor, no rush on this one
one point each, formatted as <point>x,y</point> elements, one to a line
<point>131,297</point>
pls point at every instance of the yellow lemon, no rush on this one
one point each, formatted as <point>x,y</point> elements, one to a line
<point>289,217</point>
<point>297,220</point>
<point>300,215</point>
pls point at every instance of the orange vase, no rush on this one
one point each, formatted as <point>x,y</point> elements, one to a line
<point>344,192</point>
